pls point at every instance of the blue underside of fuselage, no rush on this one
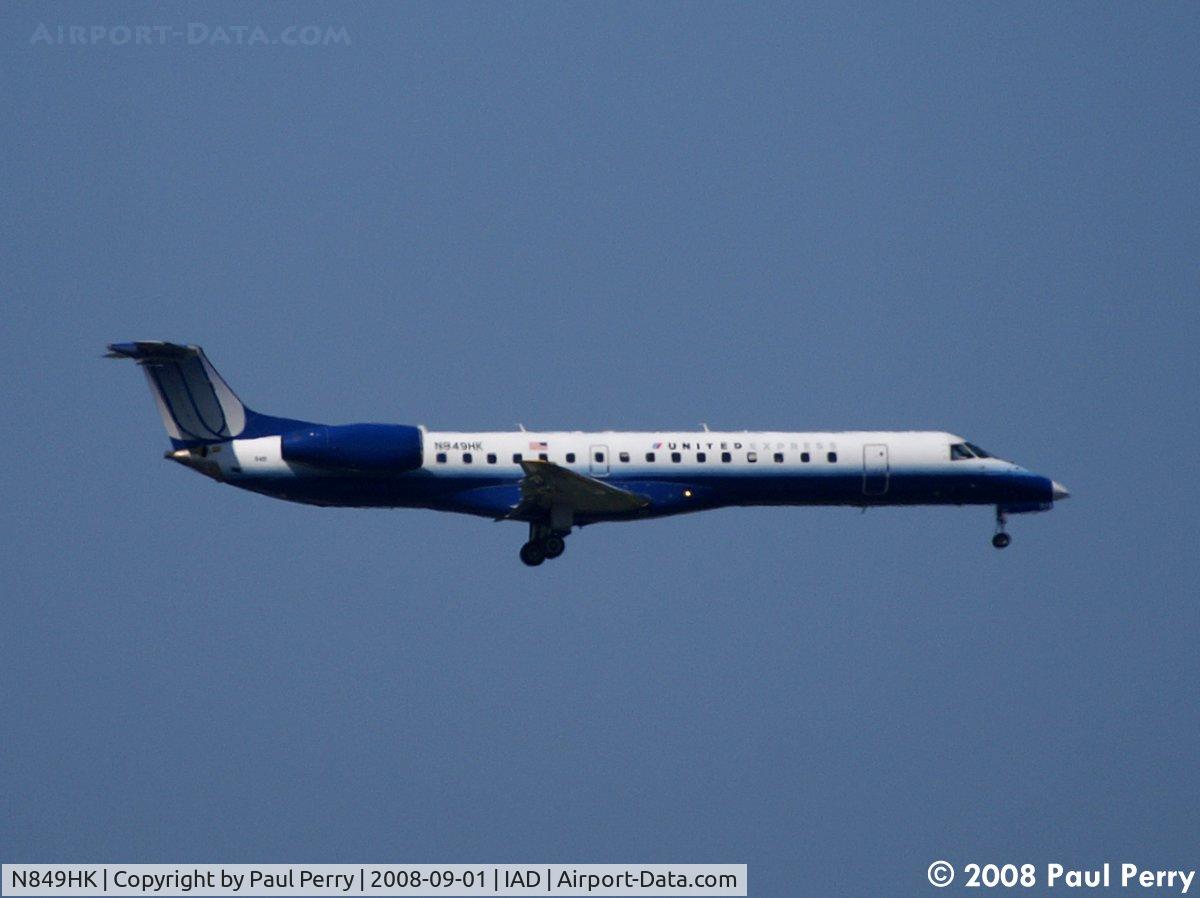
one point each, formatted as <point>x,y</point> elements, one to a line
<point>492,496</point>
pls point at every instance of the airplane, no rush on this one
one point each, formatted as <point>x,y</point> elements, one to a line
<point>557,481</point>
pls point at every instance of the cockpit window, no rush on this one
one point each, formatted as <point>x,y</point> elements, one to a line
<point>959,451</point>
<point>979,453</point>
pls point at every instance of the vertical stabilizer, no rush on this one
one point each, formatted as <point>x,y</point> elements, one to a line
<point>196,405</point>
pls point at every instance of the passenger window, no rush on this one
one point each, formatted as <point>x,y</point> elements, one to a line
<point>779,457</point>
<point>467,458</point>
<point>701,457</point>
<point>805,457</point>
<point>726,456</point>
<point>516,458</point>
<point>676,457</point>
<point>441,458</point>
<point>831,457</point>
<point>959,451</point>
<point>491,458</point>
<point>649,456</point>
<point>624,456</point>
<point>543,456</point>
<point>570,458</point>
<point>751,456</point>
<point>599,456</point>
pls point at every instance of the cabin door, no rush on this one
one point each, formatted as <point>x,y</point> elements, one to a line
<point>875,469</point>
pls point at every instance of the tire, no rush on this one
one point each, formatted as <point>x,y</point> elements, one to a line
<point>553,546</point>
<point>1000,540</point>
<point>533,554</point>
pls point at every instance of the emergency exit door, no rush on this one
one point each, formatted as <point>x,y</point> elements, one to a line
<point>599,461</point>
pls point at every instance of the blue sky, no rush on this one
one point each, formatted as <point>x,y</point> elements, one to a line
<point>976,217</point>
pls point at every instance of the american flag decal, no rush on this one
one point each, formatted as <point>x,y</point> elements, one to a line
<point>537,444</point>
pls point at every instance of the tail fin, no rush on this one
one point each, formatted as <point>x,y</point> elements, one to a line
<point>196,404</point>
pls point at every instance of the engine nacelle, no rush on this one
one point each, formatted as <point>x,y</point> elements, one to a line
<point>375,448</point>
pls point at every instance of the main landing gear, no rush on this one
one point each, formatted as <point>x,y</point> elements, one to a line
<point>543,543</point>
<point>1001,539</point>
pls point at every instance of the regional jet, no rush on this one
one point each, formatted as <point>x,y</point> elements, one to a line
<point>558,480</point>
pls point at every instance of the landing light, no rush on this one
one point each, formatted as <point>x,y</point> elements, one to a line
<point>687,494</point>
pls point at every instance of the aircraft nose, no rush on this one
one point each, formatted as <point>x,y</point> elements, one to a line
<point>1058,491</point>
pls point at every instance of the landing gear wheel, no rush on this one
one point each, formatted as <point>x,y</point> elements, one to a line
<point>533,554</point>
<point>553,546</point>
<point>1001,539</point>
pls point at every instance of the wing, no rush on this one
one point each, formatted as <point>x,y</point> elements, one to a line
<point>547,485</point>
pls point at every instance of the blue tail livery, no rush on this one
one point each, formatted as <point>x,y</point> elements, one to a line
<point>555,481</point>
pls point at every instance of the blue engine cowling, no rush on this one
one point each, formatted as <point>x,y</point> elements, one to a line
<point>377,448</point>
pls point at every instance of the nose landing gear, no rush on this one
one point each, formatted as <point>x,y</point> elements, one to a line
<point>1001,539</point>
<point>543,544</point>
